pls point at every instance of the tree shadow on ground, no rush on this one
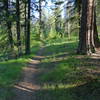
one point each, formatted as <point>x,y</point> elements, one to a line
<point>86,91</point>
<point>84,70</point>
<point>80,78</point>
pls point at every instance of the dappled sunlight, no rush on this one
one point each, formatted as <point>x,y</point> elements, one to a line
<point>53,91</point>
<point>49,50</point>
<point>34,61</point>
<point>70,92</point>
<point>27,86</point>
<point>54,86</point>
<point>60,43</point>
<point>57,73</point>
<point>62,74</point>
<point>23,88</point>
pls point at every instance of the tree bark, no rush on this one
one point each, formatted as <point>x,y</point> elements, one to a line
<point>8,23</point>
<point>88,35</point>
<point>18,27</point>
<point>40,18</point>
<point>68,24</point>
<point>28,29</point>
<point>96,39</point>
<point>79,3</point>
<point>25,23</point>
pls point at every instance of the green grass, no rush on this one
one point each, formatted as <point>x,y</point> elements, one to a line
<point>10,72</point>
<point>68,76</point>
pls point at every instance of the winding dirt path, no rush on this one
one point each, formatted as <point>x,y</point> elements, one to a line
<point>25,89</point>
<point>29,88</point>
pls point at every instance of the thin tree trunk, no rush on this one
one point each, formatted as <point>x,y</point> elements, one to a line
<point>79,10</point>
<point>28,29</point>
<point>8,23</point>
<point>69,24</point>
<point>25,23</point>
<point>18,27</point>
<point>40,18</point>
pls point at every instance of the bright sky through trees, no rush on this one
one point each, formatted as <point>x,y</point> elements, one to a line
<point>49,4</point>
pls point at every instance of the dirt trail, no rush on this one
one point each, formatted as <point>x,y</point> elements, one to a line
<point>26,87</point>
<point>29,88</point>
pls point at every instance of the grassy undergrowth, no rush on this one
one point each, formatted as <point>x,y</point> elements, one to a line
<point>10,73</point>
<point>68,76</point>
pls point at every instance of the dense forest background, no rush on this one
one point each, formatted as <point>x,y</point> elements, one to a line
<point>49,49</point>
<point>24,22</point>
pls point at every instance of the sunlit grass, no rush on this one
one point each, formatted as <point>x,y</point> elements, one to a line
<point>68,76</point>
<point>59,41</point>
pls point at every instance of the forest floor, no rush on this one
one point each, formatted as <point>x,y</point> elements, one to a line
<point>56,72</point>
<point>25,89</point>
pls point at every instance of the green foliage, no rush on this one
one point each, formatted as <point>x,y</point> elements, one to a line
<point>68,76</point>
<point>52,34</point>
<point>10,72</point>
